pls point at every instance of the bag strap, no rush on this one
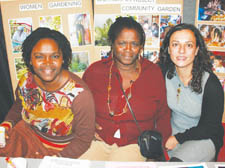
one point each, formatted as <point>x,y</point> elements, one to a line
<point>129,106</point>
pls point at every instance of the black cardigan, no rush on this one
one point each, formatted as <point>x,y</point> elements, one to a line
<point>210,123</point>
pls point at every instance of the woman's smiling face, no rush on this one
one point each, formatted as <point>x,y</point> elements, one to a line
<point>47,60</point>
<point>183,48</point>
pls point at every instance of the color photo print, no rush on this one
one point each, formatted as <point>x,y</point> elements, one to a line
<point>214,35</point>
<point>200,165</point>
<point>80,29</point>
<point>218,61</point>
<point>166,22</point>
<point>52,22</point>
<point>80,61</point>
<point>155,27</point>
<point>211,10</point>
<point>150,24</point>
<point>104,53</point>
<point>21,68</point>
<point>20,28</point>
<point>152,55</point>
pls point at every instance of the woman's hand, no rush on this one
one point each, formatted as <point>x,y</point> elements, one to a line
<point>171,143</point>
<point>3,139</point>
<point>6,134</point>
<point>97,137</point>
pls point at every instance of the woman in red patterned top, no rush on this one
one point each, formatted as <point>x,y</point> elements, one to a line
<point>54,110</point>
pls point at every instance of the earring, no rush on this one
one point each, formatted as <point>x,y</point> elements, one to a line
<point>139,57</point>
<point>112,53</point>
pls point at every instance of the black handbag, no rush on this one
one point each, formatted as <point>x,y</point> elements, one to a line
<point>149,141</point>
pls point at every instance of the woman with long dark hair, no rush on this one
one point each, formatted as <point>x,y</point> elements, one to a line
<point>194,95</point>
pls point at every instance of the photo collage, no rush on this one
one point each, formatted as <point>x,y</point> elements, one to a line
<point>155,27</point>
<point>85,27</point>
<point>76,24</point>
<point>210,20</point>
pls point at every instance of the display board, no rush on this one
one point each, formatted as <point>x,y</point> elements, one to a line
<point>156,17</point>
<point>74,18</point>
<point>210,20</point>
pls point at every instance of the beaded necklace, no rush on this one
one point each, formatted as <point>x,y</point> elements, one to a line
<point>111,112</point>
<point>178,92</point>
<point>179,88</point>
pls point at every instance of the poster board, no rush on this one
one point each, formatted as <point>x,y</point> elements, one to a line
<point>73,18</point>
<point>156,17</point>
<point>210,20</point>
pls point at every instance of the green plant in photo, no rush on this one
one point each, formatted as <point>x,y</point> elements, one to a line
<point>101,33</point>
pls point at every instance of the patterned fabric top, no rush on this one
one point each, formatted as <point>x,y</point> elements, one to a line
<point>49,112</point>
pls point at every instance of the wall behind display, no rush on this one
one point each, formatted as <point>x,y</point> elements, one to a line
<point>189,11</point>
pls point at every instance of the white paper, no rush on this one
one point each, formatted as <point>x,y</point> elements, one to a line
<point>130,165</point>
<point>58,162</point>
<point>18,162</point>
<point>117,134</point>
<point>2,137</point>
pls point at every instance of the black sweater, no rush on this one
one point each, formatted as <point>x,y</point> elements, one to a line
<point>210,123</point>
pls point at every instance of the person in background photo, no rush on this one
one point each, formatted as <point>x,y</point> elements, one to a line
<point>19,35</point>
<point>209,8</point>
<point>194,95</point>
<point>155,30</point>
<point>204,29</point>
<point>218,65</point>
<point>154,57</point>
<point>126,72</point>
<point>54,112</point>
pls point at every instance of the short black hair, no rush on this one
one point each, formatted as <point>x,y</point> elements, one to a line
<point>41,33</point>
<point>125,22</point>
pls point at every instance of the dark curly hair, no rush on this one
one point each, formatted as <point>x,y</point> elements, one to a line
<point>201,62</point>
<point>43,32</point>
<point>125,22</point>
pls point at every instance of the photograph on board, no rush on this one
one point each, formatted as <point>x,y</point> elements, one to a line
<point>104,53</point>
<point>166,22</point>
<point>80,61</point>
<point>214,35</point>
<point>150,24</point>
<point>218,62</point>
<point>20,67</point>
<point>19,30</point>
<point>80,29</point>
<point>51,22</point>
<point>102,23</point>
<point>211,10</point>
<point>151,55</point>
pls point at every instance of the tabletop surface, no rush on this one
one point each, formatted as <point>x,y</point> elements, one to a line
<point>36,163</point>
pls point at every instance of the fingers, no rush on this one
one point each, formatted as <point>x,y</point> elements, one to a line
<point>98,127</point>
<point>6,135</point>
<point>98,137</point>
